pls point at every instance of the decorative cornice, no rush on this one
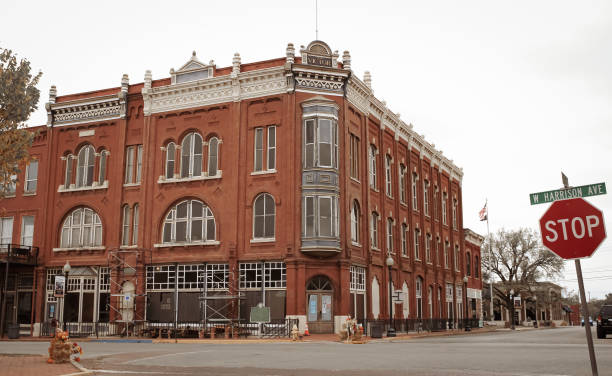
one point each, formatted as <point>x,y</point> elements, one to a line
<point>319,80</point>
<point>86,110</point>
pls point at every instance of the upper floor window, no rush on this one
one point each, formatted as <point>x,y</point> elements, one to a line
<point>27,230</point>
<point>388,183</point>
<point>428,248</point>
<point>476,267</point>
<point>68,174</point>
<point>191,155</point>
<point>213,156</point>
<point>261,146</point>
<point>135,221</point>
<point>354,157</point>
<point>320,143</point>
<point>102,167</point>
<point>133,164</point>
<point>81,228</point>
<point>468,264</point>
<point>374,230</point>
<point>402,183</point>
<point>435,202</point>
<point>426,197</point>
<point>438,250</point>
<point>11,186</point>
<point>264,215</point>
<point>455,214</point>
<point>85,167</point>
<point>170,160</point>
<point>190,221</point>
<point>446,255</point>
<point>415,200</point>
<point>444,208</point>
<point>390,235</point>
<point>130,223</point>
<point>321,216</point>
<point>355,225</point>
<point>372,160</point>
<point>404,236</point>
<point>417,235</point>
<point>456,257</point>
<point>6,230</point>
<point>31,177</point>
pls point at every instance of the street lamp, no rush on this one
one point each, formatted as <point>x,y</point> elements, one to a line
<point>535,300</point>
<point>66,271</point>
<point>466,320</point>
<point>391,329</point>
<point>512,304</point>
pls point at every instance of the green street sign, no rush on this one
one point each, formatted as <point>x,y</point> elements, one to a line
<point>567,193</point>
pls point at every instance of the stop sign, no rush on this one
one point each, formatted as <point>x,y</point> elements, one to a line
<point>572,228</point>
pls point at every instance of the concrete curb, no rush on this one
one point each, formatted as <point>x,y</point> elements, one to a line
<point>82,370</point>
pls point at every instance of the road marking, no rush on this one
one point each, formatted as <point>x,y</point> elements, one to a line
<point>132,372</point>
<point>164,355</point>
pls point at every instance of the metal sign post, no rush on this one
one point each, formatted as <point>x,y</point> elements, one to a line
<point>585,313</point>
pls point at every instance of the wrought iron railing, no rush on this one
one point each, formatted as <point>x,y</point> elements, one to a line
<point>18,253</point>
<point>416,325</point>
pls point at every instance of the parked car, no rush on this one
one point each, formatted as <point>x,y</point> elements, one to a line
<point>590,321</point>
<point>604,321</point>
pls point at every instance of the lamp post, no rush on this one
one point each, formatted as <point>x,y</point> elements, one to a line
<point>466,319</point>
<point>535,300</point>
<point>391,329</point>
<point>66,272</point>
<point>512,304</point>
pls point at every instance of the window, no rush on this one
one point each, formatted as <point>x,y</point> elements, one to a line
<point>85,166</point>
<point>468,265</point>
<point>444,208</point>
<point>428,248</point>
<point>102,170</point>
<point>263,217</point>
<point>457,258</point>
<point>81,228</point>
<point>138,164</point>
<point>390,235</point>
<point>170,158</point>
<point>355,225</point>
<point>6,231</point>
<point>250,275</point>
<point>426,197</point>
<point>404,241</point>
<point>373,153</point>
<point>274,275</point>
<point>389,189</point>
<point>415,202</point>
<point>190,221</point>
<point>129,165</point>
<point>125,228</point>
<point>454,214</point>
<point>68,176</point>
<point>326,214</point>
<point>320,143</point>
<point>27,230</point>
<point>11,186</point>
<point>354,157</point>
<point>135,221</point>
<point>309,215</point>
<point>374,230</point>
<point>402,183</point>
<point>419,297</point>
<point>446,255</point>
<point>430,301</point>
<point>213,156</point>
<point>358,278</point>
<point>31,177</point>
<point>259,149</point>
<point>321,216</point>
<point>440,302</point>
<point>417,234</point>
<point>438,250</point>
<point>191,156</point>
<point>449,301</point>
<point>435,203</point>
<point>476,267</point>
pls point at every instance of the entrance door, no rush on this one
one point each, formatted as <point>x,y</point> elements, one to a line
<point>319,294</point>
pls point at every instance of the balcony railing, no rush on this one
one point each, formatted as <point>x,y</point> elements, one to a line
<point>18,254</point>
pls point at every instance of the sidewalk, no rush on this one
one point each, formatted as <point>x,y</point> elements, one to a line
<point>33,365</point>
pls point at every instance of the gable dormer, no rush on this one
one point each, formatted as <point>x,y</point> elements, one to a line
<point>192,70</point>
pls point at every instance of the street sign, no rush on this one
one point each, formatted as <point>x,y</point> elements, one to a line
<point>568,193</point>
<point>572,229</point>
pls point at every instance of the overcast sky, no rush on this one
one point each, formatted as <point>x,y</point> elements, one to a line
<point>513,91</point>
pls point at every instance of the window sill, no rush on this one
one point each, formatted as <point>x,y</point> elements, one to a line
<point>355,244</point>
<point>375,249</point>
<point>374,189</point>
<point>100,248</point>
<point>170,245</point>
<point>263,240</point>
<point>263,172</point>
<point>10,196</point>
<point>406,257</point>
<point>26,194</point>
<point>355,180</point>
<point>164,180</point>
<point>73,188</point>
<point>128,247</point>
<point>131,184</point>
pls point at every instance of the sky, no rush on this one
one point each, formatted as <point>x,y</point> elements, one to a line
<point>514,92</point>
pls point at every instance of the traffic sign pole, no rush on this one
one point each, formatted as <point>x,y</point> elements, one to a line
<point>585,314</point>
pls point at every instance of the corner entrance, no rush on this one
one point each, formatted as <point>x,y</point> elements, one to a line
<point>319,298</point>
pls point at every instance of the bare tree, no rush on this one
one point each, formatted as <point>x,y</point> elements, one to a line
<point>18,99</point>
<point>518,261</point>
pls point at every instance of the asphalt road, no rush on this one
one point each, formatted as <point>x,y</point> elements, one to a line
<point>561,351</point>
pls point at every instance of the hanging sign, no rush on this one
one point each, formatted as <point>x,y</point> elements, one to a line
<point>60,286</point>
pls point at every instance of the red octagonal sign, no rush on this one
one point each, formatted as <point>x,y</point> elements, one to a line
<point>572,228</point>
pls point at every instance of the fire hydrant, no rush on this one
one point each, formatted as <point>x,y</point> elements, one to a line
<point>295,333</point>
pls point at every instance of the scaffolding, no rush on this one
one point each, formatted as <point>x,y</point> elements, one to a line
<point>220,305</point>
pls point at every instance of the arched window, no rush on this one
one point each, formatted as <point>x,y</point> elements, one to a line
<point>264,214</point>
<point>404,235</point>
<point>125,228</point>
<point>68,175</point>
<point>170,158</point>
<point>191,156</point>
<point>468,264</point>
<point>355,226</point>
<point>374,230</point>
<point>373,153</point>
<point>390,235</point>
<point>190,221</point>
<point>85,166</point>
<point>402,183</point>
<point>81,228</point>
<point>213,149</point>
<point>102,171</point>
<point>415,202</point>
<point>388,185</point>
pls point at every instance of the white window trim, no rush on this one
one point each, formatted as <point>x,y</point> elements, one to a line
<point>73,188</point>
<point>191,244</point>
<point>163,180</point>
<point>28,179</point>
<point>100,248</point>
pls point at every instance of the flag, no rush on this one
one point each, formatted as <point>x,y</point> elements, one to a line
<point>483,213</point>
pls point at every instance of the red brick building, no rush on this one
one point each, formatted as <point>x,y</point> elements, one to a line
<point>284,181</point>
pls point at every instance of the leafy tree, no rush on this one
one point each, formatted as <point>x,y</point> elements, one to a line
<point>18,99</point>
<point>518,261</point>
